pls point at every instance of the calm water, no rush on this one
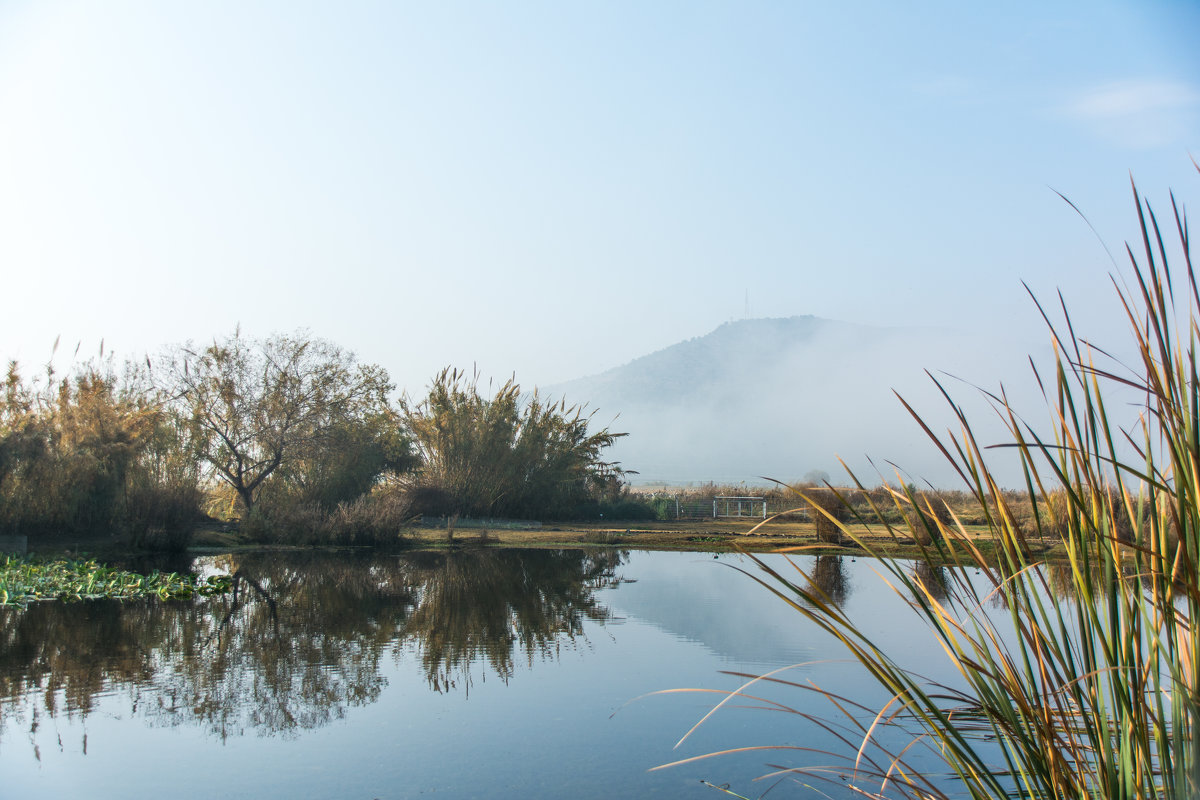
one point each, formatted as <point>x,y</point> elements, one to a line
<point>477,673</point>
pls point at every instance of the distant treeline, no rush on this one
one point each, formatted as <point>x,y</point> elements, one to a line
<point>292,437</point>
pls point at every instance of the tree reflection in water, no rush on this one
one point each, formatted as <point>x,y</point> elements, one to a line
<point>828,576</point>
<point>490,604</point>
<point>932,578</point>
<point>302,639</point>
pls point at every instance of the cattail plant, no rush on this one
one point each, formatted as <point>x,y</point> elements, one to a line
<point>1080,682</point>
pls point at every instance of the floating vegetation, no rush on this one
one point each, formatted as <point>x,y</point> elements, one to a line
<point>25,580</point>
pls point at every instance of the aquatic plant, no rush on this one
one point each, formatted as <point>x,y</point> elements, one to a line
<point>25,580</point>
<point>1095,697</point>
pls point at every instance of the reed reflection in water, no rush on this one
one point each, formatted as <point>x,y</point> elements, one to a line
<point>497,605</point>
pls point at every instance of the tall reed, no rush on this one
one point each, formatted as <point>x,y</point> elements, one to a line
<point>1097,697</point>
<point>509,455</point>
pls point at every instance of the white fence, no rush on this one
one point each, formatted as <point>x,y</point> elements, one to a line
<point>728,506</point>
<point>669,506</point>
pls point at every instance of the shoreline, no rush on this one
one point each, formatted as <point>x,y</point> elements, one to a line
<point>706,535</point>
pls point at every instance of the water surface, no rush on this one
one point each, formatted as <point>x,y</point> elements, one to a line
<point>474,673</point>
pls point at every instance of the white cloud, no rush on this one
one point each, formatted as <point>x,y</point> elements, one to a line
<point>1130,98</point>
<point>1139,113</point>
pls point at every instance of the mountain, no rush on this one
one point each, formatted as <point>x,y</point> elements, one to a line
<point>780,398</point>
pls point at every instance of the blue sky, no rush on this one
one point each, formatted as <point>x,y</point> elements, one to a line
<point>553,189</point>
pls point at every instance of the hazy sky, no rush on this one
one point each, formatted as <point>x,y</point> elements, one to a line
<point>555,188</point>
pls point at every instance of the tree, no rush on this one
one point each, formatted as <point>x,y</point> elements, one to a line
<point>257,406</point>
<point>504,455</point>
<point>348,461</point>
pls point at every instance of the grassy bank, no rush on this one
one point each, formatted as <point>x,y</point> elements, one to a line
<point>702,535</point>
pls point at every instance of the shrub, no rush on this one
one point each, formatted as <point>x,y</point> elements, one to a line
<point>628,508</point>
<point>379,519</point>
<point>827,510</point>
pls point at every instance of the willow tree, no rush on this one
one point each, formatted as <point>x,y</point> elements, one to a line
<point>508,454</point>
<point>258,406</point>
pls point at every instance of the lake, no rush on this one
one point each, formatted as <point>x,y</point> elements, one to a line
<point>474,673</point>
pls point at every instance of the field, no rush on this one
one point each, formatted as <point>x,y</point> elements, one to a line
<point>794,530</point>
<point>708,535</point>
<point>704,535</point>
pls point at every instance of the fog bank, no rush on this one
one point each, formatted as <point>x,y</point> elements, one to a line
<point>780,398</point>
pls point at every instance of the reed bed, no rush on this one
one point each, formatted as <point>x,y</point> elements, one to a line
<point>1096,697</point>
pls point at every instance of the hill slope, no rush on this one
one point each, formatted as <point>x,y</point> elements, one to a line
<point>782,397</point>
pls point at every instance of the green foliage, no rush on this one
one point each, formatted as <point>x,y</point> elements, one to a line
<point>1096,697</point>
<point>344,464</point>
<point>505,455</point>
<point>25,580</point>
<point>663,507</point>
<point>623,508</point>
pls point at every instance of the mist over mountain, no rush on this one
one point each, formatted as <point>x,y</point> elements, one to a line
<point>780,398</point>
